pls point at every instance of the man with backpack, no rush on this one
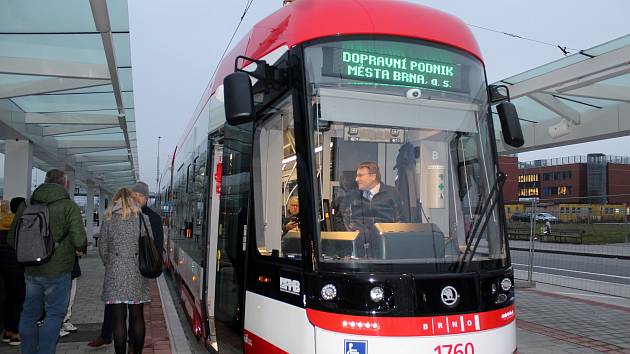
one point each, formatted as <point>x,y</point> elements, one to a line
<point>47,239</point>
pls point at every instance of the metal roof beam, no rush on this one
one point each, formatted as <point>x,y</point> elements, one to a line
<point>46,86</point>
<point>104,159</point>
<point>83,144</point>
<point>555,105</point>
<point>601,67</point>
<point>608,122</point>
<point>113,180</point>
<point>102,22</point>
<point>70,118</point>
<point>66,129</point>
<point>120,175</point>
<point>53,68</point>
<point>108,168</point>
<point>601,91</point>
<point>82,151</point>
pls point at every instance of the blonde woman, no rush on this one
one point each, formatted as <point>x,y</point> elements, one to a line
<point>124,288</point>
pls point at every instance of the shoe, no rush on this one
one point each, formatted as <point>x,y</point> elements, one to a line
<point>15,341</point>
<point>69,327</point>
<point>63,333</point>
<point>98,342</point>
<point>6,338</point>
<point>40,323</point>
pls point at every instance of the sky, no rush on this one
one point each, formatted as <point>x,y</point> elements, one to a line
<point>176,45</point>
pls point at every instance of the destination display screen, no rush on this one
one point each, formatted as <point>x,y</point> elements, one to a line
<point>391,69</point>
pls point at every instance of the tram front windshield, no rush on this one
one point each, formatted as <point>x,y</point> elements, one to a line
<point>404,154</point>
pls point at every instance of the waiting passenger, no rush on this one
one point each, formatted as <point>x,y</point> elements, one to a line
<point>124,288</point>
<point>12,273</point>
<point>48,285</point>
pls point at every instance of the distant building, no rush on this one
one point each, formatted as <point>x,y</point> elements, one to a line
<point>593,179</point>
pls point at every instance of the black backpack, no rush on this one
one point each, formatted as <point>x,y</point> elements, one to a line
<point>34,243</point>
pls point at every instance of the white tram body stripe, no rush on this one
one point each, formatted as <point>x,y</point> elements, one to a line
<point>500,340</point>
<point>283,325</point>
<point>288,328</point>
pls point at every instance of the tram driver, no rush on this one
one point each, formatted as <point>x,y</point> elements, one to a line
<point>372,202</point>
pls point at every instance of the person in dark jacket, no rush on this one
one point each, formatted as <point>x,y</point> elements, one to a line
<point>372,202</point>
<point>141,196</point>
<point>48,284</point>
<point>12,274</point>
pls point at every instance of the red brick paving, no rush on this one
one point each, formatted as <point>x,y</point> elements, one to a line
<point>570,337</point>
<point>156,340</point>
<point>585,301</point>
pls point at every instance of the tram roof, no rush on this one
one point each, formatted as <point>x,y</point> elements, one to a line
<point>307,20</point>
<point>66,86</point>
<point>579,98</point>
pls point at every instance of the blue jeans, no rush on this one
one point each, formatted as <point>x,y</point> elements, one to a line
<point>53,295</point>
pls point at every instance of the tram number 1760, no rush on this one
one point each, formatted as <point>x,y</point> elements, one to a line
<point>459,348</point>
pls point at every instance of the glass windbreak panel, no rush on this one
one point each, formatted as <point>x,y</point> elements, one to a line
<point>403,155</point>
<point>124,76</point>
<point>94,89</point>
<point>83,48</point>
<point>118,15</point>
<point>276,181</point>
<point>35,16</point>
<point>127,99</point>
<point>66,103</point>
<point>9,79</point>
<point>122,49</point>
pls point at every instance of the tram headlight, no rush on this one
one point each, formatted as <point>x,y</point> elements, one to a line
<point>501,298</point>
<point>377,294</point>
<point>329,292</point>
<point>506,284</point>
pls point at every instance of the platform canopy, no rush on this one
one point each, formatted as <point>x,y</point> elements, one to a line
<point>66,86</point>
<point>579,98</point>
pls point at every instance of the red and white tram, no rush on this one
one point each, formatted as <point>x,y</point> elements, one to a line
<point>332,99</point>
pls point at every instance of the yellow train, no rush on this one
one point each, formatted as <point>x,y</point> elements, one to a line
<point>570,212</point>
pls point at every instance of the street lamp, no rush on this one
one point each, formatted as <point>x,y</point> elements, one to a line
<point>157,173</point>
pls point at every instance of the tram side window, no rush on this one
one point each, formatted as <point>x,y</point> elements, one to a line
<point>276,186</point>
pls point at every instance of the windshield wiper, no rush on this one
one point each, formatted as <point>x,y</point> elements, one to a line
<point>474,235</point>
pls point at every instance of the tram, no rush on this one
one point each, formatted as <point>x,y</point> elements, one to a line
<point>337,189</point>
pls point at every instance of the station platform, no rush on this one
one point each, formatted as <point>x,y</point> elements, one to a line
<point>87,315</point>
<point>549,320</point>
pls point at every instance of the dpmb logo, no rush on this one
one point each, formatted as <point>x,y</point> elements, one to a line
<point>355,347</point>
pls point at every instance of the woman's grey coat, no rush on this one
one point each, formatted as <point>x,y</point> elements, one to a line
<point>118,248</point>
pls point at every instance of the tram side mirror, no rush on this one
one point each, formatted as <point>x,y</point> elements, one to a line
<point>510,124</point>
<point>498,93</point>
<point>239,98</point>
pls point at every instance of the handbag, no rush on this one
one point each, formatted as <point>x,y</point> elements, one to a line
<point>149,260</point>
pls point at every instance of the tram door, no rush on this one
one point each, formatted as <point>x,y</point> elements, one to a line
<point>214,175</point>
<point>227,235</point>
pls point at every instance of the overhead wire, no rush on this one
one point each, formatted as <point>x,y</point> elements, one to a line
<point>248,4</point>
<point>238,25</point>
<point>565,49</point>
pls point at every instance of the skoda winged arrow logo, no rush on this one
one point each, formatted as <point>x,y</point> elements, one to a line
<point>450,297</point>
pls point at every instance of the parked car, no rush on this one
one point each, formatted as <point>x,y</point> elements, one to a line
<point>517,216</point>
<point>543,217</point>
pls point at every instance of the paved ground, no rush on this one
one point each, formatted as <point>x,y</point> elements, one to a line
<point>557,320</point>
<point>87,315</point>
<point>549,319</point>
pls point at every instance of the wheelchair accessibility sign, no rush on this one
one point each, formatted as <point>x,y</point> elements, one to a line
<point>355,347</point>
